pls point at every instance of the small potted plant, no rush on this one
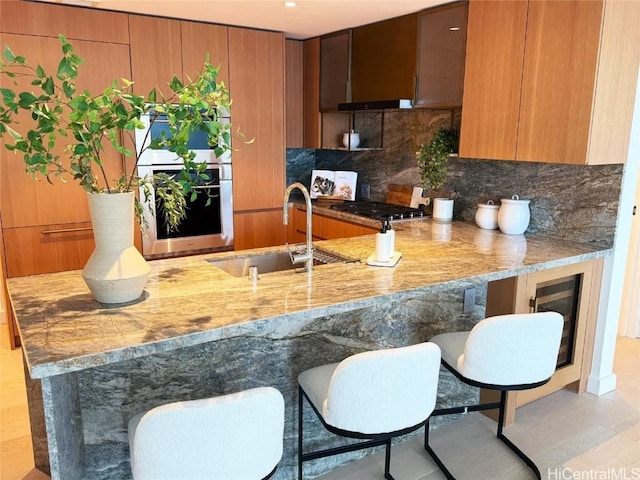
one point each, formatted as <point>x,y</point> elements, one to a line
<point>432,159</point>
<point>86,124</point>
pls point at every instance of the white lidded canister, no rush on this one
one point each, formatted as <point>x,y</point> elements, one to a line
<point>514,215</point>
<point>487,215</point>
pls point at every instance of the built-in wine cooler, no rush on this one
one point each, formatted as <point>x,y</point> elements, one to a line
<point>561,295</point>
<point>571,290</point>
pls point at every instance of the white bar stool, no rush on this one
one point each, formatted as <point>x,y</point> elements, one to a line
<point>231,437</point>
<point>504,353</point>
<point>374,396</point>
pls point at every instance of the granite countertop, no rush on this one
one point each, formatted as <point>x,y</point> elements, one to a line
<point>188,301</point>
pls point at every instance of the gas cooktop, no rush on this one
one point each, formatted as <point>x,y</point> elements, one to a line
<point>380,211</point>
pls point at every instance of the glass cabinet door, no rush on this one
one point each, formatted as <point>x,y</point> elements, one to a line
<point>561,295</point>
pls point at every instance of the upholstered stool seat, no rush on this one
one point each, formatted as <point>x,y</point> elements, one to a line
<point>373,396</point>
<point>231,437</point>
<point>504,353</point>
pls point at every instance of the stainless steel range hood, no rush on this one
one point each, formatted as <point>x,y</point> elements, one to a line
<point>375,105</point>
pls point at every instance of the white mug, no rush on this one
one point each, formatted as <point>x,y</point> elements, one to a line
<point>443,209</point>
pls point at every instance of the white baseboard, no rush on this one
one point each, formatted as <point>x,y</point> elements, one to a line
<point>600,386</point>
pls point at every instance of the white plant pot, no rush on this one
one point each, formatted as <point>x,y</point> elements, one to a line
<point>116,271</point>
<point>442,209</point>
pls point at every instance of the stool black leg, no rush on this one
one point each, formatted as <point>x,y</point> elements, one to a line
<point>387,460</point>
<point>433,454</point>
<point>426,435</point>
<point>509,443</point>
<point>299,434</point>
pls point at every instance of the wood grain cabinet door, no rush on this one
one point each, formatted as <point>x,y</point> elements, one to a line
<point>26,202</point>
<point>294,93</point>
<point>256,66</point>
<point>311,93</point>
<point>156,52</point>
<point>561,56</point>
<point>550,81</point>
<point>50,20</point>
<point>47,248</point>
<point>200,39</point>
<point>333,228</point>
<point>492,80</point>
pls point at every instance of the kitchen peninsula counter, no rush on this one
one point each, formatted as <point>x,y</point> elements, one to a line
<point>197,331</point>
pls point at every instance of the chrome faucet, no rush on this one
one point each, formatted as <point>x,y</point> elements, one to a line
<point>306,257</point>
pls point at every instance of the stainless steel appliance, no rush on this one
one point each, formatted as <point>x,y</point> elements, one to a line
<point>207,227</point>
<point>380,211</point>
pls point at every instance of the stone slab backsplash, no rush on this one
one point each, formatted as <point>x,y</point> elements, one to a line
<point>574,202</point>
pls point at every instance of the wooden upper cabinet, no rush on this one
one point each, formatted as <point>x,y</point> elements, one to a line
<point>200,39</point>
<point>558,80</point>
<point>294,88</point>
<point>334,70</point>
<point>550,81</point>
<point>441,49</point>
<point>311,93</point>
<point>616,84</point>
<point>156,53</point>
<point>492,80</point>
<point>26,202</point>
<point>50,20</point>
<point>256,66</point>
<point>383,60</point>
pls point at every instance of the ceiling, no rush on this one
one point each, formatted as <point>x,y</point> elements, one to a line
<point>309,18</point>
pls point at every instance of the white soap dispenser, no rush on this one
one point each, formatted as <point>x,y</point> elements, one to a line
<point>384,245</point>
<point>392,233</point>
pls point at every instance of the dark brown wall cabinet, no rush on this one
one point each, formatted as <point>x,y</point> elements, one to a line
<point>419,57</point>
<point>335,85</point>
<point>442,39</point>
<point>384,59</point>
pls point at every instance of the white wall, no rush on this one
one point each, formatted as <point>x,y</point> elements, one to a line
<point>602,378</point>
<point>630,311</point>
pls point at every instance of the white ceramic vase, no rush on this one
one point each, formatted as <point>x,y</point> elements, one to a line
<point>116,271</point>
<point>513,215</point>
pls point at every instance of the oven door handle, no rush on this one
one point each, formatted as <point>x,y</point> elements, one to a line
<point>206,187</point>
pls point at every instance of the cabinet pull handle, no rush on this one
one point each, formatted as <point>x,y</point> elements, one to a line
<point>533,304</point>
<point>67,230</point>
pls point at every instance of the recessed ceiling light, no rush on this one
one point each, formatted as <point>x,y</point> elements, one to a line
<point>454,29</point>
<point>290,4</point>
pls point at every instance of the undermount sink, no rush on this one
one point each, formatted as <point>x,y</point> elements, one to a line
<point>276,261</point>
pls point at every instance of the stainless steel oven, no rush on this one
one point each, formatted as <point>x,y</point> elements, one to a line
<point>209,224</point>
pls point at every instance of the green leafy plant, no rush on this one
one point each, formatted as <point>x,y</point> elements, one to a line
<point>432,157</point>
<point>85,124</point>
